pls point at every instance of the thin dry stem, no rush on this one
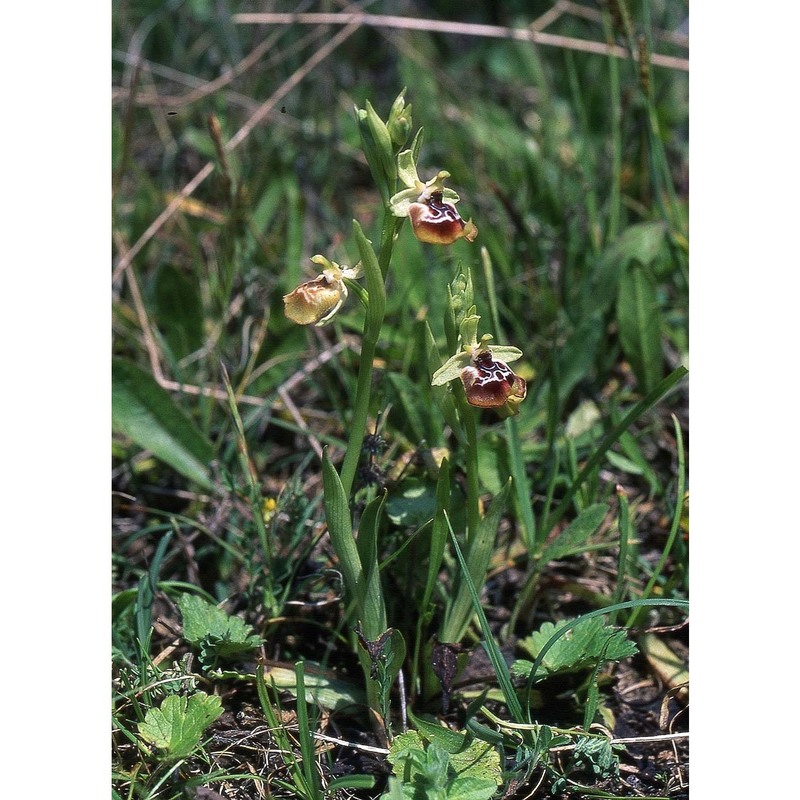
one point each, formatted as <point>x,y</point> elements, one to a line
<point>365,748</point>
<point>549,17</point>
<point>170,73</point>
<point>150,343</point>
<point>463,28</point>
<point>243,132</point>
<point>204,88</point>
<point>251,400</point>
<point>658,738</point>
<point>301,423</point>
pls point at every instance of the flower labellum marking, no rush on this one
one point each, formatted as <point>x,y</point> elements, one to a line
<point>490,383</point>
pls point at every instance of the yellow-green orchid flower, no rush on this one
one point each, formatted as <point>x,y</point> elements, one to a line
<point>315,302</point>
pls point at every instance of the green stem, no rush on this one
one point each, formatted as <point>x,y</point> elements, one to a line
<point>358,423</point>
<point>624,539</point>
<point>459,611</point>
<point>372,331</point>
<point>390,229</point>
<point>616,136</point>
<point>473,486</point>
<point>516,461</point>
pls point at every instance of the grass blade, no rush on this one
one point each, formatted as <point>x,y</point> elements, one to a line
<point>676,521</point>
<point>489,644</point>
<point>479,553</point>
<point>647,402</point>
<point>306,740</point>
<point>572,539</point>
<point>146,414</point>
<point>624,540</point>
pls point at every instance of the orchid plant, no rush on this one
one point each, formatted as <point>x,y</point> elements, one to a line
<point>477,373</point>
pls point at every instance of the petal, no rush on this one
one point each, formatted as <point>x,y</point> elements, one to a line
<point>353,272</point>
<point>323,262</point>
<point>400,202</point>
<point>436,184</point>
<point>504,352</point>
<point>451,369</point>
<point>449,196</point>
<point>518,392</point>
<point>407,170</point>
<point>470,231</point>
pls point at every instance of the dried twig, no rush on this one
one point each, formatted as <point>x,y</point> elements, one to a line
<point>463,28</point>
<point>658,738</point>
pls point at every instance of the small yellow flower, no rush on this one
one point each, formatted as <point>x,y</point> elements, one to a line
<point>315,302</point>
<point>268,509</point>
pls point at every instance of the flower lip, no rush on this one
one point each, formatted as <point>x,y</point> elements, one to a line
<point>483,370</point>
<point>490,383</point>
<point>435,221</point>
<point>430,205</point>
<point>316,301</point>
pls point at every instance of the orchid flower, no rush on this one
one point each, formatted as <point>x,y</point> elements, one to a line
<point>430,206</point>
<point>484,372</point>
<point>316,301</point>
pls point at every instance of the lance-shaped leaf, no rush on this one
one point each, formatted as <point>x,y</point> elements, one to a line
<point>639,318</point>
<point>373,613</point>
<point>374,280</point>
<point>340,529</point>
<point>477,556</point>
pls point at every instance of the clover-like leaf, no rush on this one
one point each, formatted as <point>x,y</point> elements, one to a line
<point>579,648</point>
<point>438,762</point>
<point>216,634</point>
<point>177,726</point>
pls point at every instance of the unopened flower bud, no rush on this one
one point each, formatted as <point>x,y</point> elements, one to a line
<point>399,122</point>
